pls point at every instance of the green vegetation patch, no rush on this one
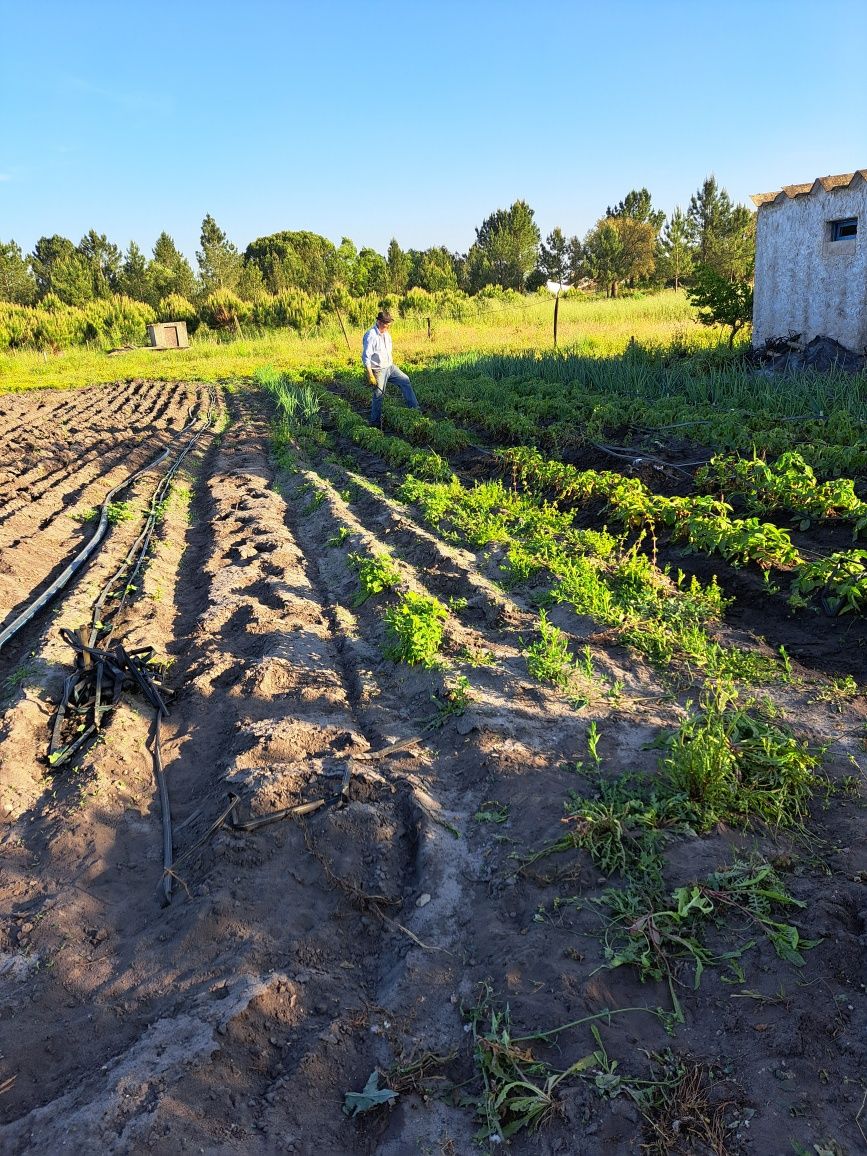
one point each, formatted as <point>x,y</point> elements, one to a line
<point>375,575</point>
<point>415,629</point>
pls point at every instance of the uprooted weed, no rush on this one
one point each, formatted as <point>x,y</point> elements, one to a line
<point>723,764</point>
<point>689,1112</point>
<point>655,933</point>
<point>518,1090</point>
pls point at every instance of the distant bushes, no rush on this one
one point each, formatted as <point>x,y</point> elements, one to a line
<point>292,308</point>
<point>115,321</point>
<point>107,322</point>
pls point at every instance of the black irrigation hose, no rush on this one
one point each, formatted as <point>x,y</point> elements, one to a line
<point>102,673</point>
<point>81,557</point>
<point>78,561</point>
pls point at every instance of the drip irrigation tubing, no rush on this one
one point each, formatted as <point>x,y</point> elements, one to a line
<point>78,560</point>
<point>102,671</point>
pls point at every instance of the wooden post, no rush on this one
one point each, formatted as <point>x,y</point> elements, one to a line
<point>342,326</point>
<point>428,330</point>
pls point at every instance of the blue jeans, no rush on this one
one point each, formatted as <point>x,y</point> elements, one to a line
<point>383,377</point>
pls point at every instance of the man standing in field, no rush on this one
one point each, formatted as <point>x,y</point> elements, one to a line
<point>377,361</point>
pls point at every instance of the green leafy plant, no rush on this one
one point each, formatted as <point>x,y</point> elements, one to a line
<point>733,766</point>
<point>840,579</point>
<point>372,1096</point>
<point>549,659</point>
<point>375,575</point>
<point>118,512</point>
<point>492,812</point>
<point>518,1091</point>
<point>453,699</point>
<point>415,629</point>
<point>651,933</point>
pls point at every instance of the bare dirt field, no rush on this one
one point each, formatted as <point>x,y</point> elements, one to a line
<point>389,929</point>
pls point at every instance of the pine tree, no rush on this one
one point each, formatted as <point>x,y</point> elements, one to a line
<point>170,271</point>
<point>506,248</point>
<point>251,283</point>
<point>219,261</point>
<point>399,266</point>
<point>722,234</point>
<point>637,205</point>
<point>17,282</point>
<point>133,279</point>
<point>675,255</point>
<point>104,261</point>
<point>46,253</point>
<point>370,275</point>
<point>347,255</point>
<point>432,269</point>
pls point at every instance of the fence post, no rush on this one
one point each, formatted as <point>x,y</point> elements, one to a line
<point>428,330</point>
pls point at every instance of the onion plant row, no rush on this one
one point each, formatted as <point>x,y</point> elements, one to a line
<point>555,401</point>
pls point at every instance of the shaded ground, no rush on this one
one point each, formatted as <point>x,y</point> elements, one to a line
<point>296,959</point>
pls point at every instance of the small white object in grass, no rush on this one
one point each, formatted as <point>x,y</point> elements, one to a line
<point>422,900</point>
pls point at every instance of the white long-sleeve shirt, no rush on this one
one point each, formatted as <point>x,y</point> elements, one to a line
<point>376,349</point>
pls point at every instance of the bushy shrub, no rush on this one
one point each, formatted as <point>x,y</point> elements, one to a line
<point>116,321</point>
<point>362,311</point>
<point>174,307</point>
<point>223,309</point>
<point>416,301</point>
<point>60,327</point>
<point>17,326</point>
<point>293,308</point>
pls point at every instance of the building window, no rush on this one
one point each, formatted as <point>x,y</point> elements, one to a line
<point>842,230</point>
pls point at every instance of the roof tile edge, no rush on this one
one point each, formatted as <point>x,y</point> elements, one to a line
<point>826,184</point>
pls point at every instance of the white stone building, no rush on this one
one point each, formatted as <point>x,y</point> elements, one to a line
<point>811,261</point>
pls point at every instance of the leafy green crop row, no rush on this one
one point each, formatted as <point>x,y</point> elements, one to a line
<point>558,400</point>
<point>789,484</point>
<point>703,522</point>
<point>594,572</point>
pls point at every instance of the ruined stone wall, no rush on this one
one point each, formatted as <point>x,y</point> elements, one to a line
<point>805,282</point>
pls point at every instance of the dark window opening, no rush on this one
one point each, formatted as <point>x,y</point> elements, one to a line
<point>840,230</point>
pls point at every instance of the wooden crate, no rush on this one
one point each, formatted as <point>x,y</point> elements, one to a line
<point>168,335</point>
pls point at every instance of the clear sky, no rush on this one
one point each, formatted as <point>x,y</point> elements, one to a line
<point>410,119</point>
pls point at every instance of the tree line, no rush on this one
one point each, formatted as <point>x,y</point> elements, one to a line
<point>632,244</point>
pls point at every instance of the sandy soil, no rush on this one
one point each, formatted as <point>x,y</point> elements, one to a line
<point>296,959</point>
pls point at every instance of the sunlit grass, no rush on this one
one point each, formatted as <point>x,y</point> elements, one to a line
<point>596,326</point>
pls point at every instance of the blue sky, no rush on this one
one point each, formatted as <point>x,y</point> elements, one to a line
<point>410,119</point>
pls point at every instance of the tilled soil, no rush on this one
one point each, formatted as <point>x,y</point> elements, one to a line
<point>296,959</point>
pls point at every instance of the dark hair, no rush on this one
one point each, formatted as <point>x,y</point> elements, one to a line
<point>383,317</point>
